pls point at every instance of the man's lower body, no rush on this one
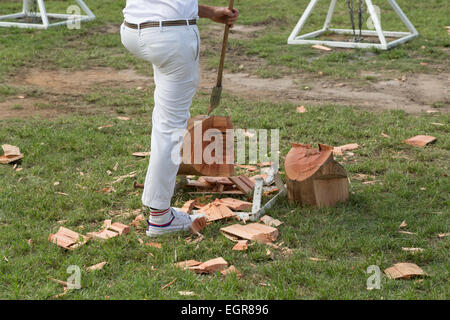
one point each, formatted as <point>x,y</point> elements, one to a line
<point>174,52</point>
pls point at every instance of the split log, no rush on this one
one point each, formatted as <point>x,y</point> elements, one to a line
<point>313,177</point>
<point>195,141</point>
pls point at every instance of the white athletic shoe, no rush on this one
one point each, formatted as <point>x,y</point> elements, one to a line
<point>180,221</point>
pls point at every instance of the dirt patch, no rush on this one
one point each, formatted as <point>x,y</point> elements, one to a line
<point>28,107</point>
<point>417,94</point>
<point>66,82</point>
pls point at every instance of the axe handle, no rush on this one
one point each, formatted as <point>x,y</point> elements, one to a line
<point>224,47</point>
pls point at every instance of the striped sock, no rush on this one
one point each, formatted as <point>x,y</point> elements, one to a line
<point>160,218</point>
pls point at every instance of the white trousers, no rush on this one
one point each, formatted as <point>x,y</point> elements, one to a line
<point>174,53</point>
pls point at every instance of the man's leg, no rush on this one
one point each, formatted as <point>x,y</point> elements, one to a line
<point>176,82</point>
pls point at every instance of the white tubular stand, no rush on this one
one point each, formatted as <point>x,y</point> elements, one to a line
<point>403,37</point>
<point>43,15</point>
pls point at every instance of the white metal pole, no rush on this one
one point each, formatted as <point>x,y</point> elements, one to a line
<point>43,12</point>
<point>403,17</point>
<point>25,7</point>
<point>303,19</point>
<point>86,8</point>
<point>330,14</point>
<point>376,23</point>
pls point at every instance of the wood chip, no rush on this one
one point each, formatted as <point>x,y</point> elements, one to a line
<point>443,235</point>
<point>103,234</point>
<point>321,47</point>
<point>211,266</point>
<point>188,206</point>
<point>216,211</point>
<point>404,270</point>
<point>242,184</point>
<point>154,244</point>
<point>420,140</point>
<point>269,221</point>
<point>317,259</point>
<point>186,293</point>
<point>123,118</point>
<point>105,126</point>
<point>11,154</point>
<point>67,238</point>
<point>98,266</point>
<point>301,109</point>
<point>241,245</point>
<point>137,221</point>
<point>253,231</point>
<point>130,175</point>
<point>247,167</point>
<point>235,204</point>
<point>120,228</point>
<point>403,224</point>
<point>407,232</point>
<point>169,284</point>
<point>412,249</point>
<point>187,264</point>
<point>347,147</point>
<point>198,225</point>
<point>230,270</point>
<point>141,154</point>
<point>63,283</point>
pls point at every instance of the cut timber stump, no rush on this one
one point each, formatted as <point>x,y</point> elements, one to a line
<point>196,145</point>
<point>313,177</point>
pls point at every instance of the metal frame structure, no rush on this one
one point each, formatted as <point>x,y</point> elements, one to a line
<point>43,15</point>
<point>403,37</point>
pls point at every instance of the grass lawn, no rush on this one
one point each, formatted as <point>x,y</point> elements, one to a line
<point>411,183</point>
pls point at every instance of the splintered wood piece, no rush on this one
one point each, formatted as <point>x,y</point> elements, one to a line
<point>67,238</point>
<point>217,180</point>
<point>97,266</point>
<point>314,178</point>
<point>10,150</point>
<point>216,211</point>
<point>137,221</point>
<point>269,221</point>
<point>104,234</point>
<point>253,231</point>
<point>120,228</point>
<point>231,269</point>
<point>247,167</point>
<point>199,183</point>
<point>141,154</point>
<point>154,244</point>
<point>412,249</point>
<point>265,164</point>
<point>188,206</point>
<point>241,245</point>
<point>443,235</point>
<point>346,147</point>
<point>420,140</point>
<point>242,184</point>
<point>198,225</point>
<point>403,224</point>
<point>196,150</point>
<point>235,204</point>
<point>301,109</point>
<point>11,154</point>
<point>211,266</point>
<point>404,270</point>
<point>321,47</point>
<point>187,264</point>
